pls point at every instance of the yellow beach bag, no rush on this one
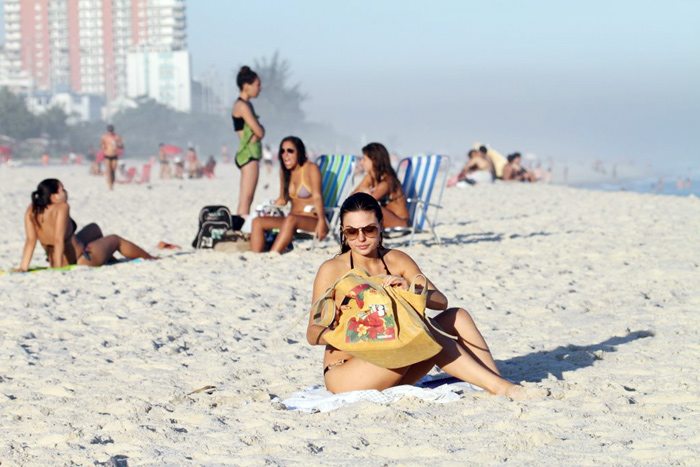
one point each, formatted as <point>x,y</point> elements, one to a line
<point>383,326</point>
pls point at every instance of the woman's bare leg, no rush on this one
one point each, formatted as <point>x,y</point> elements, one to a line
<point>101,250</point>
<point>89,233</point>
<point>392,220</point>
<point>458,322</point>
<point>249,181</point>
<point>291,223</point>
<point>358,375</point>
<point>258,228</point>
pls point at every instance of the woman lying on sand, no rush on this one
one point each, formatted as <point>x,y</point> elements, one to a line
<point>48,220</point>
<point>300,183</point>
<point>468,358</point>
<point>381,182</point>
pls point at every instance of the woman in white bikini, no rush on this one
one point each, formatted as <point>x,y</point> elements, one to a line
<point>468,358</point>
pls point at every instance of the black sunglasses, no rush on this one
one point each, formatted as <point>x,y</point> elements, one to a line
<point>371,231</point>
<point>287,150</point>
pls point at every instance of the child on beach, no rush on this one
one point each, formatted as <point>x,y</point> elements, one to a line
<point>300,183</point>
<point>48,220</point>
<point>468,358</point>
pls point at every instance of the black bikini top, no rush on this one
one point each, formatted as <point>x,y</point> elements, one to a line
<point>381,257</point>
<point>238,122</point>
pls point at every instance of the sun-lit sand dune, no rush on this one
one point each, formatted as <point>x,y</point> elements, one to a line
<point>593,295</point>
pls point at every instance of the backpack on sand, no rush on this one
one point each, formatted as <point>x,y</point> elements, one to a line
<point>383,326</point>
<point>214,221</point>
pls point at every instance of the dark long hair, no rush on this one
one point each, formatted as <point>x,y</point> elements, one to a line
<point>41,198</point>
<point>383,171</point>
<point>301,160</point>
<point>245,76</point>
<point>355,203</point>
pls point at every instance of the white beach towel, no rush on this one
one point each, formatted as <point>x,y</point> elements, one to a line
<point>317,399</point>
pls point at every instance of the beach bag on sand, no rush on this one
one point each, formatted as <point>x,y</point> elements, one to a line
<point>214,221</point>
<point>383,326</point>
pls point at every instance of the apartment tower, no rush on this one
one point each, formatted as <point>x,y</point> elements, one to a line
<point>82,45</point>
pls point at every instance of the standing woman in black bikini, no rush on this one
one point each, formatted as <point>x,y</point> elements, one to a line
<point>48,220</point>
<point>381,182</point>
<point>250,132</point>
<point>468,358</point>
<point>300,183</point>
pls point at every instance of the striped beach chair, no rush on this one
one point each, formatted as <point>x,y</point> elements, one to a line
<point>424,178</point>
<point>336,181</point>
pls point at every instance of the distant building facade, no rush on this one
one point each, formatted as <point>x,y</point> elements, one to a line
<point>81,46</point>
<point>162,76</point>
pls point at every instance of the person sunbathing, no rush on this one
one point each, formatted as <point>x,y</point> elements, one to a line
<point>48,220</point>
<point>467,358</point>
<point>381,182</point>
<point>300,183</point>
<point>478,169</point>
<point>513,171</point>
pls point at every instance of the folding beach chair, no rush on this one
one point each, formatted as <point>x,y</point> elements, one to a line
<point>336,182</point>
<point>130,174</point>
<point>420,183</point>
<point>145,174</point>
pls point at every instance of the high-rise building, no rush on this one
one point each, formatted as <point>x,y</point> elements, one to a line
<point>82,45</point>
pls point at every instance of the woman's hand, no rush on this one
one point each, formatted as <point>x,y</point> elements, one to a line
<point>321,229</point>
<point>395,281</point>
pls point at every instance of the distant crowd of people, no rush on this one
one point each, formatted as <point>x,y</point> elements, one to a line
<point>485,165</point>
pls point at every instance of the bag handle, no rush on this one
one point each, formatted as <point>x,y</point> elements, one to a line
<point>412,287</point>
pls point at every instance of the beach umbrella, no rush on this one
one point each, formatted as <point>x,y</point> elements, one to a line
<point>5,150</point>
<point>171,149</point>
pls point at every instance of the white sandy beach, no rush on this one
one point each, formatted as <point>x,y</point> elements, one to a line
<point>593,295</point>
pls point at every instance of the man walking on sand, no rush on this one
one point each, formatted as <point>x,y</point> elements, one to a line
<point>111,144</point>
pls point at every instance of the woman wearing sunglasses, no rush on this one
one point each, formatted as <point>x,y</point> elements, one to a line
<point>468,358</point>
<point>381,182</point>
<point>300,183</point>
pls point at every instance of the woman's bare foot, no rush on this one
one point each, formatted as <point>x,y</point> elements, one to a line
<point>521,393</point>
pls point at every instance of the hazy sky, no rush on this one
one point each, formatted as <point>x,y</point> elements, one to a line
<point>573,80</point>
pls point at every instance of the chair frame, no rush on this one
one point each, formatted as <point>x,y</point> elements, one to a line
<point>422,206</point>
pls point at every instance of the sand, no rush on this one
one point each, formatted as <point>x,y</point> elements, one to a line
<point>592,295</point>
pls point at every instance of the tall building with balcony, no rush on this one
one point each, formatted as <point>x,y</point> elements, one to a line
<point>82,45</point>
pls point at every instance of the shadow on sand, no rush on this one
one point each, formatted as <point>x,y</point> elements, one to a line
<point>537,366</point>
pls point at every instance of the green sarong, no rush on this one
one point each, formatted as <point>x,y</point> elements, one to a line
<point>248,150</point>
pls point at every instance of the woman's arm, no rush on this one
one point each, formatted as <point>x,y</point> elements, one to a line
<point>409,270</point>
<point>317,198</point>
<point>30,242</point>
<point>249,118</point>
<point>282,200</point>
<point>59,234</point>
<point>364,185</point>
<point>325,277</point>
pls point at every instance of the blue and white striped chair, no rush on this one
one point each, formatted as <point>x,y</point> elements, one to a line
<point>336,182</point>
<point>424,178</point>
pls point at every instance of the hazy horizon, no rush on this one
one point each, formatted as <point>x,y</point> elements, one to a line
<point>604,80</point>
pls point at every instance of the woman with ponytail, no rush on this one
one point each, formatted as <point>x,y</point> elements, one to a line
<point>48,220</point>
<point>250,132</point>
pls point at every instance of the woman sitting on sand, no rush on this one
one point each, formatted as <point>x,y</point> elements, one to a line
<point>382,183</point>
<point>300,183</point>
<point>468,358</point>
<point>48,220</point>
